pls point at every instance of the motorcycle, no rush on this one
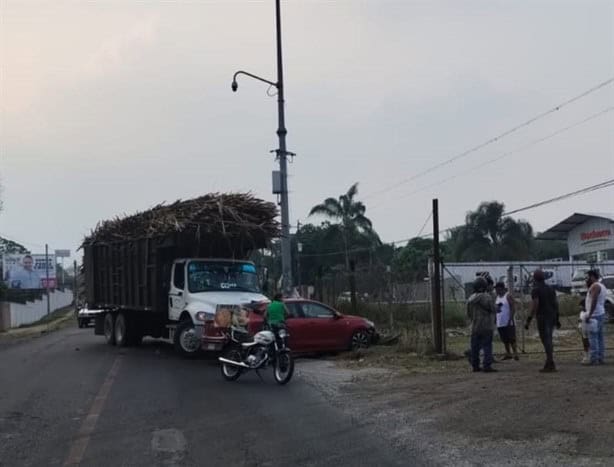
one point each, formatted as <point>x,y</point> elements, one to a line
<point>264,349</point>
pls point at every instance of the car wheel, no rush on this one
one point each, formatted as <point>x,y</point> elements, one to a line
<point>609,311</point>
<point>360,340</point>
<point>109,329</point>
<point>187,343</point>
<point>121,330</point>
<point>80,323</point>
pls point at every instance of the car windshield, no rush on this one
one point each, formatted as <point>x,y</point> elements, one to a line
<point>208,276</point>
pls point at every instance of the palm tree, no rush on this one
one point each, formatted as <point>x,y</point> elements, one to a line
<point>488,235</point>
<point>351,223</point>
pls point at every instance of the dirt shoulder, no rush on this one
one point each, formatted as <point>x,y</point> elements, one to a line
<point>451,416</point>
<point>59,319</point>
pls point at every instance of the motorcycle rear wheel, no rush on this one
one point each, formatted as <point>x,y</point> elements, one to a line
<point>283,368</point>
<point>231,372</point>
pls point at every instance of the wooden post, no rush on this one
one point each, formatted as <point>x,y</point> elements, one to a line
<point>437,318</point>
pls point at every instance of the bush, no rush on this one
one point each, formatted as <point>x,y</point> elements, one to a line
<point>407,314</point>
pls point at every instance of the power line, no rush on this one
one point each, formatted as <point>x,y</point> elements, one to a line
<point>424,225</point>
<point>495,138</point>
<point>581,191</point>
<point>508,153</point>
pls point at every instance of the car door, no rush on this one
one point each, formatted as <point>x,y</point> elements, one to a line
<point>323,328</point>
<point>297,328</point>
<point>176,299</point>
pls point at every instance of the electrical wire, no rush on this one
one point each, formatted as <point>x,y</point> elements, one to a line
<point>581,191</point>
<point>505,154</point>
<point>424,225</point>
<point>493,139</point>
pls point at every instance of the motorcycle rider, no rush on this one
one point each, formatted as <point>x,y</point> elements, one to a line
<point>275,314</point>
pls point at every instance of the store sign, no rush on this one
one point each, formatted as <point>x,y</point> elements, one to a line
<point>595,236</point>
<point>29,271</point>
<point>592,236</point>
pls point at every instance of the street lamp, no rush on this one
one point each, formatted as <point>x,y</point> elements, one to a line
<point>282,155</point>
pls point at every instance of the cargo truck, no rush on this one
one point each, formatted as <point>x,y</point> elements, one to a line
<point>165,272</point>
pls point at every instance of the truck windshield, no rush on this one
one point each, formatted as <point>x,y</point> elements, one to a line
<point>208,276</point>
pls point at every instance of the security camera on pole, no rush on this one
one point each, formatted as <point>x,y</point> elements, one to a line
<point>282,155</point>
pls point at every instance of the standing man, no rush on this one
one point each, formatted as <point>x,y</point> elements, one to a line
<point>545,307</point>
<point>595,309</point>
<point>505,321</point>
<point>481,311</point>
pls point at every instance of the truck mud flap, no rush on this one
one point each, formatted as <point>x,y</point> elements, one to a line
<point>99,325</point>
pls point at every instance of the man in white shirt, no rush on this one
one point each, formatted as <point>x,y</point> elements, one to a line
<point>25,277</point>
<point>506,324</point>
<point>595,307</point>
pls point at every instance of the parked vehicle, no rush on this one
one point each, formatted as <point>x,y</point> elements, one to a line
<point>165,272</point>
<point>85,316</point>
<point>578,281</point>
<point>244,353</point>
<point>312,326</point>
<point>608,282</point>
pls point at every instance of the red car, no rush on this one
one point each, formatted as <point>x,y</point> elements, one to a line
<point>315,327</point>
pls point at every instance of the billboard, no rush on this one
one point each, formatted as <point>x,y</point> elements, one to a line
<point>25,271</point>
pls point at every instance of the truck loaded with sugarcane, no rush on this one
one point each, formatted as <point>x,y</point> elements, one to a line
<point>167,271</point>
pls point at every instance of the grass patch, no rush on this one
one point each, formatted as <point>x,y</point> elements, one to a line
<point>56,315</point>
<point>407,314</point>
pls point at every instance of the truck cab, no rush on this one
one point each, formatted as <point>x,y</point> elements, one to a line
<point>200,287</point>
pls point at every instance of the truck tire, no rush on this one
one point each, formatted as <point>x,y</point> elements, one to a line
<point>185,339</point>
<point>109,328</point>
<point>121,330</point>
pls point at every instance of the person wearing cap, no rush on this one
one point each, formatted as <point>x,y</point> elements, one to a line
<point>481,311</point>
<point>545,307</point>
<point>595,309</point>
<point>506,326</point>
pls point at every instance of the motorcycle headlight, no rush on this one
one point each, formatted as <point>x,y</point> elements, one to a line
<point>370,324</point>
<point>283,333</point>
<point>204,316</point>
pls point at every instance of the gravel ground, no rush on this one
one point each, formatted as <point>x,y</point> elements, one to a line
<point>450,416</point>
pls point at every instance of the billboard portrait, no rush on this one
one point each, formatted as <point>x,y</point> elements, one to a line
<point>25,271</point>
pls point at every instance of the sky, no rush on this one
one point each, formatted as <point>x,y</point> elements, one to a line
<point>109,107</point>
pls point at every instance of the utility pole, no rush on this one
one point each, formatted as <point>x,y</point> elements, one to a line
<point>437,318</point>
<point>75,286</point>
<point>282,155</point>
<point>299,250</point>
<point>47,277</point>
<point>286,252</point>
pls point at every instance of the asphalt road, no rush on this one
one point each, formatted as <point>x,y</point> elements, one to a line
<point>68,399</point>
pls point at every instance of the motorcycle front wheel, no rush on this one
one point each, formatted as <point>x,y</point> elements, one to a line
<point>284,367</point>
<point>231,372</point>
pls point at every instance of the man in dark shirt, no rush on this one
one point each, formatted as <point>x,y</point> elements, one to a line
<point>546,308</point>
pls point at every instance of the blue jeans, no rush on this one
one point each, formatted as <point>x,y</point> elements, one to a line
<point>545,326</point>
<point>595,339</point>
<point>481,342</point>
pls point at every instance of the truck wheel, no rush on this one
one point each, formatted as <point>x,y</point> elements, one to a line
<point>121,330</point>
<point>187,343</point>
<point>109,329</point>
